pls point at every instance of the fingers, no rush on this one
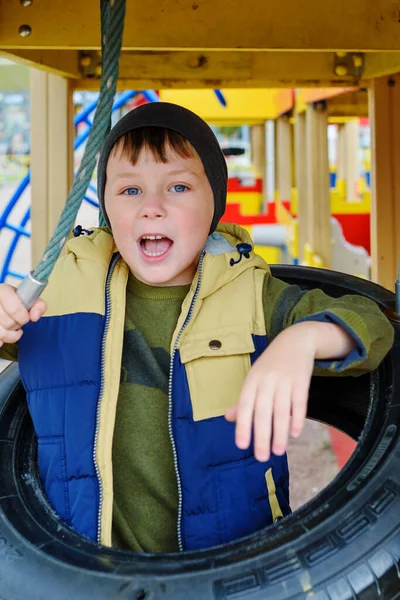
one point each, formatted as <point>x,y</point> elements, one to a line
<point>13,314</point>
<point>299,408</point>
<point>12,307</point>
<point>231,413</point>
<point>271,411</point>
<point>37,310</point>
<point>262,424</point>
<point>6,321</point>
<point>9,336</point>
<point>244,415</point>
<point>281,419</point>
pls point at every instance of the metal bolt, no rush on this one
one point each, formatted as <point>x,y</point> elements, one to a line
<point>85,61</point>
<point>98,70</point>
<point>341,54</point>
<point>25,2</point>
<point>25,30</point>
<point>196,62</point>
<point>341,70</point>
<point>357,61</point>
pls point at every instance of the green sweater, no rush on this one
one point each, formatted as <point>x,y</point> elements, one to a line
<point>145,490</point>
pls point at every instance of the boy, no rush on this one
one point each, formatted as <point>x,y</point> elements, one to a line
<point>143,360</point>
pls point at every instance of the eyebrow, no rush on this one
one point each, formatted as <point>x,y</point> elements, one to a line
<point>179,171</point>
<point>130,174</point>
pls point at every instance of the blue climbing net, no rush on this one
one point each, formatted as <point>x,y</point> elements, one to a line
<point>21,229</point>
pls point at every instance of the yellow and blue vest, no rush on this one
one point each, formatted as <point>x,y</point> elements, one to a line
<point>70,366</point>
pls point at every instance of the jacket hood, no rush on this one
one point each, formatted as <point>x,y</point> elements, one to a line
<point>220,249</point>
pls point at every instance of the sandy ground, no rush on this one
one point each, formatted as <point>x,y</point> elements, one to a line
<point>312,463</point>
<point>311,460</point>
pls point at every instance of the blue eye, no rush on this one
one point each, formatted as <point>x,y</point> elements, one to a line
<point>179,187</point>
<point>132,191</point>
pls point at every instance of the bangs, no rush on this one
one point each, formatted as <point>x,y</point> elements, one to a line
<point>157,140</point>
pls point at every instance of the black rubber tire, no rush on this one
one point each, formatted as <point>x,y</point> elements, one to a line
<point>344,544</point>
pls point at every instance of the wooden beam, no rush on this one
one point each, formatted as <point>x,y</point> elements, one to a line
<point>213,69</point>
<point>353,104</point>
<point>385,178</point>
<point>359,25</point>
<point>318,196</point>
<point>380,64</point>
<point>243,106</point>
<point>191,69</point>
<point>51,154</point>
<point>304,97</point>
<point>59,62</point>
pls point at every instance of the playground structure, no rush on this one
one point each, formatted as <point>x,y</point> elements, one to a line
<point>311,212</point>
<point>348,243</point>
<point>268,209</point>
<point>271,220</point>
<point>301,161</point>
<point>351,83</point>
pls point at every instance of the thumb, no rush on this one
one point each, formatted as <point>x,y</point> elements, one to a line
<point>38,310</point>
<point>231,413</point>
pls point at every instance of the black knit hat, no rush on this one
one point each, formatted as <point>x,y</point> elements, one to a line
<point>187,124</point>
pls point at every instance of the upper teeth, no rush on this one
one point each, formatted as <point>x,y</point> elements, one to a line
<point>152,237</point>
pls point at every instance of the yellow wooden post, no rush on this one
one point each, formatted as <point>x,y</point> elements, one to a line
<point>352,160</point>
<point>318,195</point>
<point>283,146</point>
<point>341,162</point>
<point>301,181</point>
<point>258,154</point>
<point>385,178</point>
<point>51,154</point>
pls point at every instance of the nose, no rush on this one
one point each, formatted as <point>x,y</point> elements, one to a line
<point>153,207</point>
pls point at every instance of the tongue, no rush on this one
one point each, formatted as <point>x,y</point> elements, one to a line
<point>157,245</point>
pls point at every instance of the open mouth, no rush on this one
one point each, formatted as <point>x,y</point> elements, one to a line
<point>155,245</point>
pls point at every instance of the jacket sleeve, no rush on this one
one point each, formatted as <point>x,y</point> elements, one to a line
<point>285,305</point>
<point>9,352</point>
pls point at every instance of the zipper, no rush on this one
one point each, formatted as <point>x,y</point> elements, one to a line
<point>107,313</point>
<point>171,434</point>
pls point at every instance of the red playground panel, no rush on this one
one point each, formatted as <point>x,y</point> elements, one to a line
<point>233,215</point>
<point>235,185</point>
<point>342,445</point>
<point>356,229</point>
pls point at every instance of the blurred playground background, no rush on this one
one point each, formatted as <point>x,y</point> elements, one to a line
<point>256,131</point>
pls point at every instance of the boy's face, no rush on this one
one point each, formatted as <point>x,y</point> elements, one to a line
<point>160,215</point>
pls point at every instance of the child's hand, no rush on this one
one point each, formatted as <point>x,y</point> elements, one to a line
<point>275,392</point>
<point>13,314</point>
<point>275,388</point>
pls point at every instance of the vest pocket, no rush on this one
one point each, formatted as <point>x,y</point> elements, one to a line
<point>216,364</point>
<point>248,496</point>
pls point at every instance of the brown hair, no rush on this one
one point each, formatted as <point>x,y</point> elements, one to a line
<point>157,140</point>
